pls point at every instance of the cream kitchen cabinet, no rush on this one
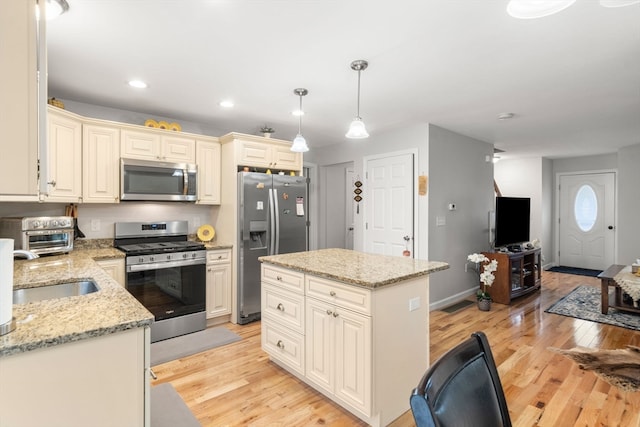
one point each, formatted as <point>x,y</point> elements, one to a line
<point>157,145</point>
<point>101,163</point>
<point>269,155</point>
<point>283,316</point>
<point>81,383</point>
<point>338,343</point>
<point>353,326</point>
<point>18,109</point>
<point>115,269</point>
<point>262,153</point>
<point>64,171</point>
<point>208,161</point>
<point>218,283</point>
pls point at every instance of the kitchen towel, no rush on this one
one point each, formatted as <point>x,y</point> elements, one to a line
<point>6,280</point>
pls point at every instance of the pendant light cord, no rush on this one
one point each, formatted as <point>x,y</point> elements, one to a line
<point>300,117</point>
<point>358,108</point>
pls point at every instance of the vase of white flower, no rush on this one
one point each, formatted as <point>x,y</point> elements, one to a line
<point>485,276</point>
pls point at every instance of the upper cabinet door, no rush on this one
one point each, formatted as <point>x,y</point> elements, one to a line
<point>178,149</point>
<point>101,164</point>
<point>208,161</point>
<point>64,180</point>
<point>140,145</point>
<point>254,154</point>
<point>18,109</point>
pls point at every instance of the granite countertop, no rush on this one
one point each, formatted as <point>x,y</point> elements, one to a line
<point>52,322</point>
<point>356,268</point>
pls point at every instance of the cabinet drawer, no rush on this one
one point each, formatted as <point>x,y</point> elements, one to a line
<point>283,345</point>
<point>285,278</point>
<point>218,256</point>
<point>346,296</point>
<point>284,307</point>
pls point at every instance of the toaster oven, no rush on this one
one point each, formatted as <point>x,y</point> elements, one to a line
<point>45,235</point>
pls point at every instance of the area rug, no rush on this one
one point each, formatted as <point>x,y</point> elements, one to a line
<point>168,409</point>
<point>186,345</point>
<point>584,303</point>
<point>575,270</point>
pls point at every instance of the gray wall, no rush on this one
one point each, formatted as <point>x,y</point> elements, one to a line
<point>628,204</point>
<point>413,137</point>
<point>460,174</point>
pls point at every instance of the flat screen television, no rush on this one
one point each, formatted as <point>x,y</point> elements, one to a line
<point>512,220</point>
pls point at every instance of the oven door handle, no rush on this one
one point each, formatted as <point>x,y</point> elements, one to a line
<point>166,264</point>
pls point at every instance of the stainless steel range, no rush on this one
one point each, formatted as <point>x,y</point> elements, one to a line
<point>166,273</point>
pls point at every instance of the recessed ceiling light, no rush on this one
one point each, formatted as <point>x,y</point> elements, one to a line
<point>226,104</point>
<point>297,113</point>
<point>505,116</point>
<point>138,84</point>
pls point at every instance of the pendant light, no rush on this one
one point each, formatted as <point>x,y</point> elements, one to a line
<point>55,8</point>
<point>299,143</point>
<point>357,129</point>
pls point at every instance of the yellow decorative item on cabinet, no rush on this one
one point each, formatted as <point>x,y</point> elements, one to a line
<point>150,123</point>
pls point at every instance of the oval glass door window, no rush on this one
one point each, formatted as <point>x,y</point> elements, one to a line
<point>586,208</point>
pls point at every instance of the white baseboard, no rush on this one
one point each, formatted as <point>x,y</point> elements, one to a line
<point>452,299</point>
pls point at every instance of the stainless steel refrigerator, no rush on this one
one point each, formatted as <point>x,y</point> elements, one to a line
<point>272,219</point>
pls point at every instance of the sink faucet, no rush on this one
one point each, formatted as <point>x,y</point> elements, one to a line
<point>19,253</point>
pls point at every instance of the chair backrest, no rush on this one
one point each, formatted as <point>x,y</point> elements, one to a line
<point>462,388</point>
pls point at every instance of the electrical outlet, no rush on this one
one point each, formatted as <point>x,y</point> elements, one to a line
<point>440,221</point>
<point>414,304</point>
<point>95,225</point>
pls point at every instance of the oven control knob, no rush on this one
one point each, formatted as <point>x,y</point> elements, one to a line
<point>141,260</point>
<point>168,257</point>
<point>152,258</point>
<point>184,256</point>
<point>193,255</point>
<point>54,223</point>
<point>36,224</point>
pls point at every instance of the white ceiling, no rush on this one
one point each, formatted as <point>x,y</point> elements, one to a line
<point>572,79</point>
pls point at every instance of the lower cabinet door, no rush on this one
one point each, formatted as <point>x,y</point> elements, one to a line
<point>353,349</point>
<point>218,290</point>
<point>283,345</point>
<point>320,344</point>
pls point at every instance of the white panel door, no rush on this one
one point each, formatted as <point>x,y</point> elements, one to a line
<point>389,204</point>
<point>587,215</point>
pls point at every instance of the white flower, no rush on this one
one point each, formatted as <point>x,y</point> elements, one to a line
<point>477,258</point>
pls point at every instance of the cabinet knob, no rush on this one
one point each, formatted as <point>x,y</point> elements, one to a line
<point>335,314</point>
<point>52,182</point>
<point>329,312</point>
<point>280,344</point>
<point>280,307</point>
<point>279,278</point>
<point>219,256</point>
<point>332,293</point>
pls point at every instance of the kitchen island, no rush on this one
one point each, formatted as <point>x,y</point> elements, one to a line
<point>354,326</point>
<point>75,361</point>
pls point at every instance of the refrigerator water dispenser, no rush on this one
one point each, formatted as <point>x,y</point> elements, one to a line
<point>257,234</point>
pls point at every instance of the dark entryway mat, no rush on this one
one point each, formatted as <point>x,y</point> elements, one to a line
<point>458,306</point>
<point>575,270</point>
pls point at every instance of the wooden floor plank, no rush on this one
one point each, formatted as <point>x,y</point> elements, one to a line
<point>237,385</point>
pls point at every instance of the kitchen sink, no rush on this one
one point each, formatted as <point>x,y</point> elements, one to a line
<point>68,289</point>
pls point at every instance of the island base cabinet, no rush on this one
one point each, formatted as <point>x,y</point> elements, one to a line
<point>339,353</point>
<point>100,381</point>
<point>363,348</point>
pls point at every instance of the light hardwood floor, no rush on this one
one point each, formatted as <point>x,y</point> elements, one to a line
<point>237,385</point>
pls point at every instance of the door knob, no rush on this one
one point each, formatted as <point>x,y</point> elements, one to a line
<point>611,227</point>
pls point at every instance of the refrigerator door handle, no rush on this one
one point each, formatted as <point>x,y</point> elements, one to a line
<point>276,221</point>
<point>272,226</point>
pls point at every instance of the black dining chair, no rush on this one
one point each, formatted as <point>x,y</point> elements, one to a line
<point>462,388</point>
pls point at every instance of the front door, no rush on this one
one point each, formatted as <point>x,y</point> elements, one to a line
<point>389,201</point>
<point>587,220</point>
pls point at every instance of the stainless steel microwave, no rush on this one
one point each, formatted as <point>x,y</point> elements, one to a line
<point>161,181</point>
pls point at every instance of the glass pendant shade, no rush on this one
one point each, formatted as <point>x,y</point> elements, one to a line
<point>618,3</point>
<point>299,144</point>
<point>531,9</point>
<point>56,8</point>
<point>357,129</point>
